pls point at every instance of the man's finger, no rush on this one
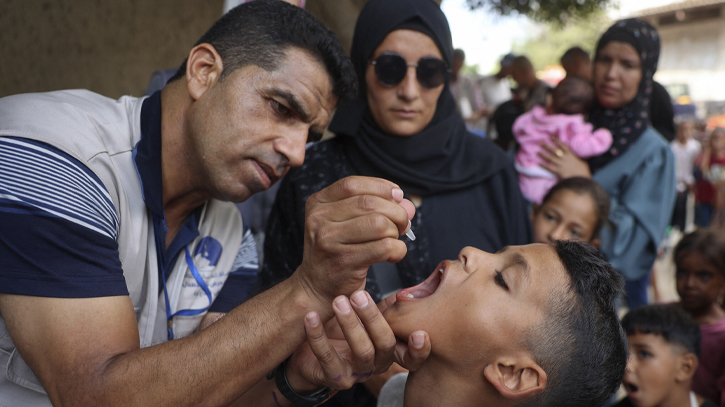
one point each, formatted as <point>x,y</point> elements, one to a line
<point>358,185</point>
<point>332,365</point>
<point>361,346</point>
<point>377,328</point>
<point>413,354</point>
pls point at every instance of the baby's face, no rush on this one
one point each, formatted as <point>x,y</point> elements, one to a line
<point>651,370</point>
<point>567,215</point>
<point>480,305</point>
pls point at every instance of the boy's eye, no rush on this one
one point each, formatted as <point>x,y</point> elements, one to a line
<point>643,354</point>
<point>500,281</point>
<point>576,234</point>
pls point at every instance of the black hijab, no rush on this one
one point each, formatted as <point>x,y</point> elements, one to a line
<point>444,156</point>
<point>631,120</point>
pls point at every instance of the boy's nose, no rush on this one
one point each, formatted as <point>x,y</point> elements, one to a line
<point>558,233</point>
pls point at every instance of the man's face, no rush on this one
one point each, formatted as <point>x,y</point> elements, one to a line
<point>481,305</point>
<point>651,370</point>
<point>249,128</point>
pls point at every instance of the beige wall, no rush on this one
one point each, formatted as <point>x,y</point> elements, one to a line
<point>108,46</point>
<point>113,46</point>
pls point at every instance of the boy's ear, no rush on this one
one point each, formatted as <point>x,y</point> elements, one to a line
<point>203,69</point>
<point>516,378</point>
<point>686,367</point>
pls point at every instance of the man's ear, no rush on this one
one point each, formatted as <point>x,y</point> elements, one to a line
<point>516,378</point>
<point>686,367</point>
<point>203,69</point>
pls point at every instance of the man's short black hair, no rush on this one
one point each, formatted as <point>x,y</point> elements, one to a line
<point>259,33</point>
<point>669,321</point>
<point>574,53</point>
<point>459,54</point>
<point>581,345</point>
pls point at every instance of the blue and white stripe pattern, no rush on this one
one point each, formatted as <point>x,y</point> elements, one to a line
<point>38,179</point>
<point>247,260</point>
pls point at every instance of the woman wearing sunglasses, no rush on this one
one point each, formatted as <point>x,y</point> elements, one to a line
<point>404,127</point>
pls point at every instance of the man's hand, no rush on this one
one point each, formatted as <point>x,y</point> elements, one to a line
<point>350,348</point>
<point>348,226</point>
<point>412,354</point>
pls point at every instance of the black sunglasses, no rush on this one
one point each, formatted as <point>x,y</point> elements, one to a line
<point>391,68</point>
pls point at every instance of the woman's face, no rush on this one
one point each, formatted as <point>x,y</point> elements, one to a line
<point>617,74</point>
<point>406,108</point>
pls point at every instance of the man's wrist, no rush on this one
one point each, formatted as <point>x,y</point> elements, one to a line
<point>307,298</point>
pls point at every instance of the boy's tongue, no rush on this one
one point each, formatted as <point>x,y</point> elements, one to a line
<point>422,290</point>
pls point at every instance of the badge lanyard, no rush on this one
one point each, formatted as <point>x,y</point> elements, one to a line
<point>197,277</point>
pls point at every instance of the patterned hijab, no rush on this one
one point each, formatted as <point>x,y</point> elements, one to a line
<point>444,156</point>
<point>631,120</point>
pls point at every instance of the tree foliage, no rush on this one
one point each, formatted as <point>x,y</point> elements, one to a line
<point>549,11</point>
<point>551,40</point>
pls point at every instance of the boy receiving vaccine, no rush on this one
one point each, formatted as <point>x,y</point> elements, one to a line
<point>563,118</point>
<point>664,347</point>
<point>531,325</point>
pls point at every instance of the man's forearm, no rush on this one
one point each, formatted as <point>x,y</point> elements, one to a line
<point>213,367</point>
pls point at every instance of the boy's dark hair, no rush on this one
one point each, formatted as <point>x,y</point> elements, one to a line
<point>581,345</point>
<point>573,95</point>
<point>259,33</point>
<point>587,186</point>
<point>669,321</point>
<point>709,243</point>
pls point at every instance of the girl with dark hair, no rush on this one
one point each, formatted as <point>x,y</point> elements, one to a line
<point>638,170</point>
<point>700,261</point>
<point>404,127</point>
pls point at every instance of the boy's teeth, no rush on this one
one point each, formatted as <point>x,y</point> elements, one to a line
<point>409,295</point>
<point>441,270</point>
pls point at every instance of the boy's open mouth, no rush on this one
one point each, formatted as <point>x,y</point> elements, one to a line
<point>631,388</point>
<point>426,288</point>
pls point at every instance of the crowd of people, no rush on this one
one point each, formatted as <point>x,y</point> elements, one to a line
<point>455,241</point>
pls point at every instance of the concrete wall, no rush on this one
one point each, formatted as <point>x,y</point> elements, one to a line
<point>113,47</point>
<point>110,47</point>
<point>694,53</point>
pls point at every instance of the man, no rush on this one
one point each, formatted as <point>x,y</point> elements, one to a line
<point>576,62</point>
<point>101,198</point>
<point>531,91</point>
<point>466,93</point>
<point>495,90</point>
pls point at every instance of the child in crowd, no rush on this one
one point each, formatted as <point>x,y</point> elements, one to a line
<point>563,118</point>
<point>686,149</point>
<point>664,347</point>
<point>700,261</point>
<point>531,325</point>
<point>709,191</point>
<point>575,208</point>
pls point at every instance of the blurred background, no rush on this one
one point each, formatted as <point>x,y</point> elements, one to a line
<point>113,47</point>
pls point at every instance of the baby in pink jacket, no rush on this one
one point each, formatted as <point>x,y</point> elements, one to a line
<point>564,118</point>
